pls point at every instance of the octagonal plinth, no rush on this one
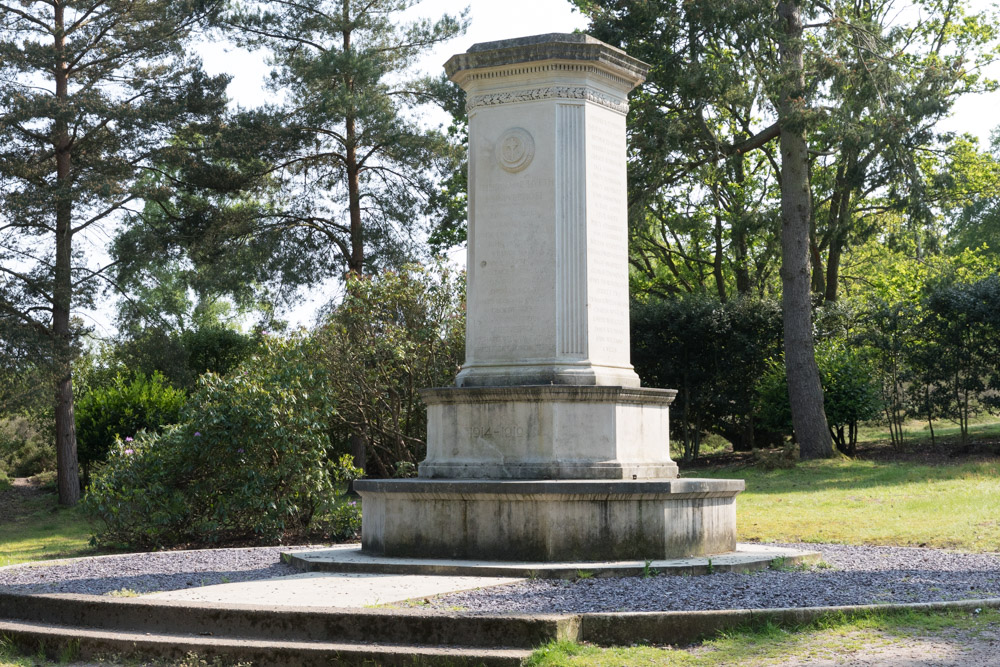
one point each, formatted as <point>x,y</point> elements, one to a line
<point>556,520</point>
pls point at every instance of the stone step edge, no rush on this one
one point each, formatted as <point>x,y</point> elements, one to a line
<point>390,626</point>
<point>686,627</point>
<point>439,567</point>
<point>625,628</point>
<point>58,641</point>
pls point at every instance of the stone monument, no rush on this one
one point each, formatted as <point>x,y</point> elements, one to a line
<point>547,448</point>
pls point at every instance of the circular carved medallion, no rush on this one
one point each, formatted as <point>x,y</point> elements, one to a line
<point>515,148</point>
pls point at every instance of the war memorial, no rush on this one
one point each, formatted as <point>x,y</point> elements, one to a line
<point>547,448</point>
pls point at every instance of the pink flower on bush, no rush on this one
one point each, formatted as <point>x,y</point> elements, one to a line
<point>239,451</point>
<point>128,439</point>
<point>129,452</point>
<point>197,434</point>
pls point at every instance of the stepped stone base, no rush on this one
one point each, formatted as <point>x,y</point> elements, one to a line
<point>549,520</point>
<point>548,432</point>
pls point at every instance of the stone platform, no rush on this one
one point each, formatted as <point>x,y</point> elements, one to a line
<point>549,520</point>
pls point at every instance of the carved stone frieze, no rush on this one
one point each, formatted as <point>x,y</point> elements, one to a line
<point>550,92</point>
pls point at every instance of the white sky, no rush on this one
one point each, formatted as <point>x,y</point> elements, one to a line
<point>503,19</point>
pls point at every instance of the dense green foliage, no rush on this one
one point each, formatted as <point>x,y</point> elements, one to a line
<point>393,334</point>
<point>24,449</point>
<point>714,354</point>
<point>122,410</point>
<point>181,357</point>
<point>247,460</point>
<point>851,396</point>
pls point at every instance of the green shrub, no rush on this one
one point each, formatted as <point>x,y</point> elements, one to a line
<point>344,520</point>
<point>180,357</point>
<point>120,411</point>
<point>849,395</point>
<point>4,481</point>
<point>393,334</point>
<point>24,451</point>
<point>248,460</point>
<point>713,354</point>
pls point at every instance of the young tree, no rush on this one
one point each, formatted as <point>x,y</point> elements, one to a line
<point>90,92</point>
<point>393,334</point>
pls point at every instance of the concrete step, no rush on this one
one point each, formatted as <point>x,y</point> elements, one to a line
<point>87,643</point>
<point>350,558</point>
<point>384,626</point>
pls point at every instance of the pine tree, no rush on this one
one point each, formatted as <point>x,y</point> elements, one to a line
<point>90,91</point>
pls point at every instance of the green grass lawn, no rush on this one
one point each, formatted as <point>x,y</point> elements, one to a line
<point>981,427</point>
<point>832,640</point>
<point>35,527</point>
<point>862,502</point>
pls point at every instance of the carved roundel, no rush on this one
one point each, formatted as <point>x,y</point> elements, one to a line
<point>515,149</point>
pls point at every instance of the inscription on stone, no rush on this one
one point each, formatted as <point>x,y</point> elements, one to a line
<point>496,431</point>
<point>607,240</point>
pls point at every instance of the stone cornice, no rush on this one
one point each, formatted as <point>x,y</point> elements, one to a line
<point>555,46</point>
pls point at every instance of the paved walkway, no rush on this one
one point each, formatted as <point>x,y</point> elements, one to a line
<point>323,589</point>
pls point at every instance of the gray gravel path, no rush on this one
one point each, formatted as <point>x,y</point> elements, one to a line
<point>146,572</point>
<point>857,575</point>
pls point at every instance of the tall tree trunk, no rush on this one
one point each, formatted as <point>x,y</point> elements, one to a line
<point>838,238</point>
<point>356,262</point>
<point>720,280</point>
<point>739,233</point>
<point>67,466</point>
<point>804,388</point>
<point>833,269</point>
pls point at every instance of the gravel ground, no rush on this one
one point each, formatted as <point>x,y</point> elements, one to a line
<point>146,572</point>
<point>855,575</point>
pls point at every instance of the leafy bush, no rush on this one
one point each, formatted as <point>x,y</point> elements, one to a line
<point>849,395</point>
<point>120,411</point>
<point>713,353</point>
<point>179,357</point>
<point>24,451</point>
<point>248,460</point>
<point>394,334</point>
<point>344,520</point>
<point>4,481</point>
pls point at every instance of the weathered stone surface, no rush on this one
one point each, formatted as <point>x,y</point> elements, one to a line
<point>549,520</point>
<point>548,432</point>
<point>547,258</point>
